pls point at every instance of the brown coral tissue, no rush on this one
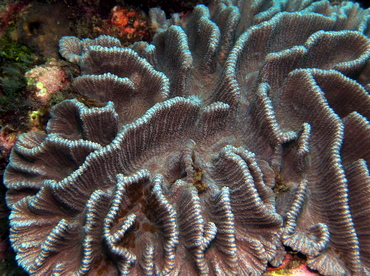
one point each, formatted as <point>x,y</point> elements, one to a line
<point>240,131</point>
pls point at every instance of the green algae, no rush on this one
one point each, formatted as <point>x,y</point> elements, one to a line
<point>15,60</point>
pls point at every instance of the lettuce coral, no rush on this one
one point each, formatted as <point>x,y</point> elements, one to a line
<point>239,131</point>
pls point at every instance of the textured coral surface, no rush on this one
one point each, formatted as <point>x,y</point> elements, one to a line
<point>241,130</point>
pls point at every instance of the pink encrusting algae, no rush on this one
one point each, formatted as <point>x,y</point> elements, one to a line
<point>46,80</point>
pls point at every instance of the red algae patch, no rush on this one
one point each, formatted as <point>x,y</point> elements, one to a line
<point>46,79</point>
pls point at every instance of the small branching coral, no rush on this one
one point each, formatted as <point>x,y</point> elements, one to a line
<point>237,132</point>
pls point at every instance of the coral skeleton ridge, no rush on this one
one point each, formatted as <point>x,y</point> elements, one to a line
<point>241,130</point>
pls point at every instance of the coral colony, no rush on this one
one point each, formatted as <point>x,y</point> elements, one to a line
<point>239,132</point>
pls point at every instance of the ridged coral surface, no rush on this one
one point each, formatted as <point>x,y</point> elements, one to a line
<point>241,130</point>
